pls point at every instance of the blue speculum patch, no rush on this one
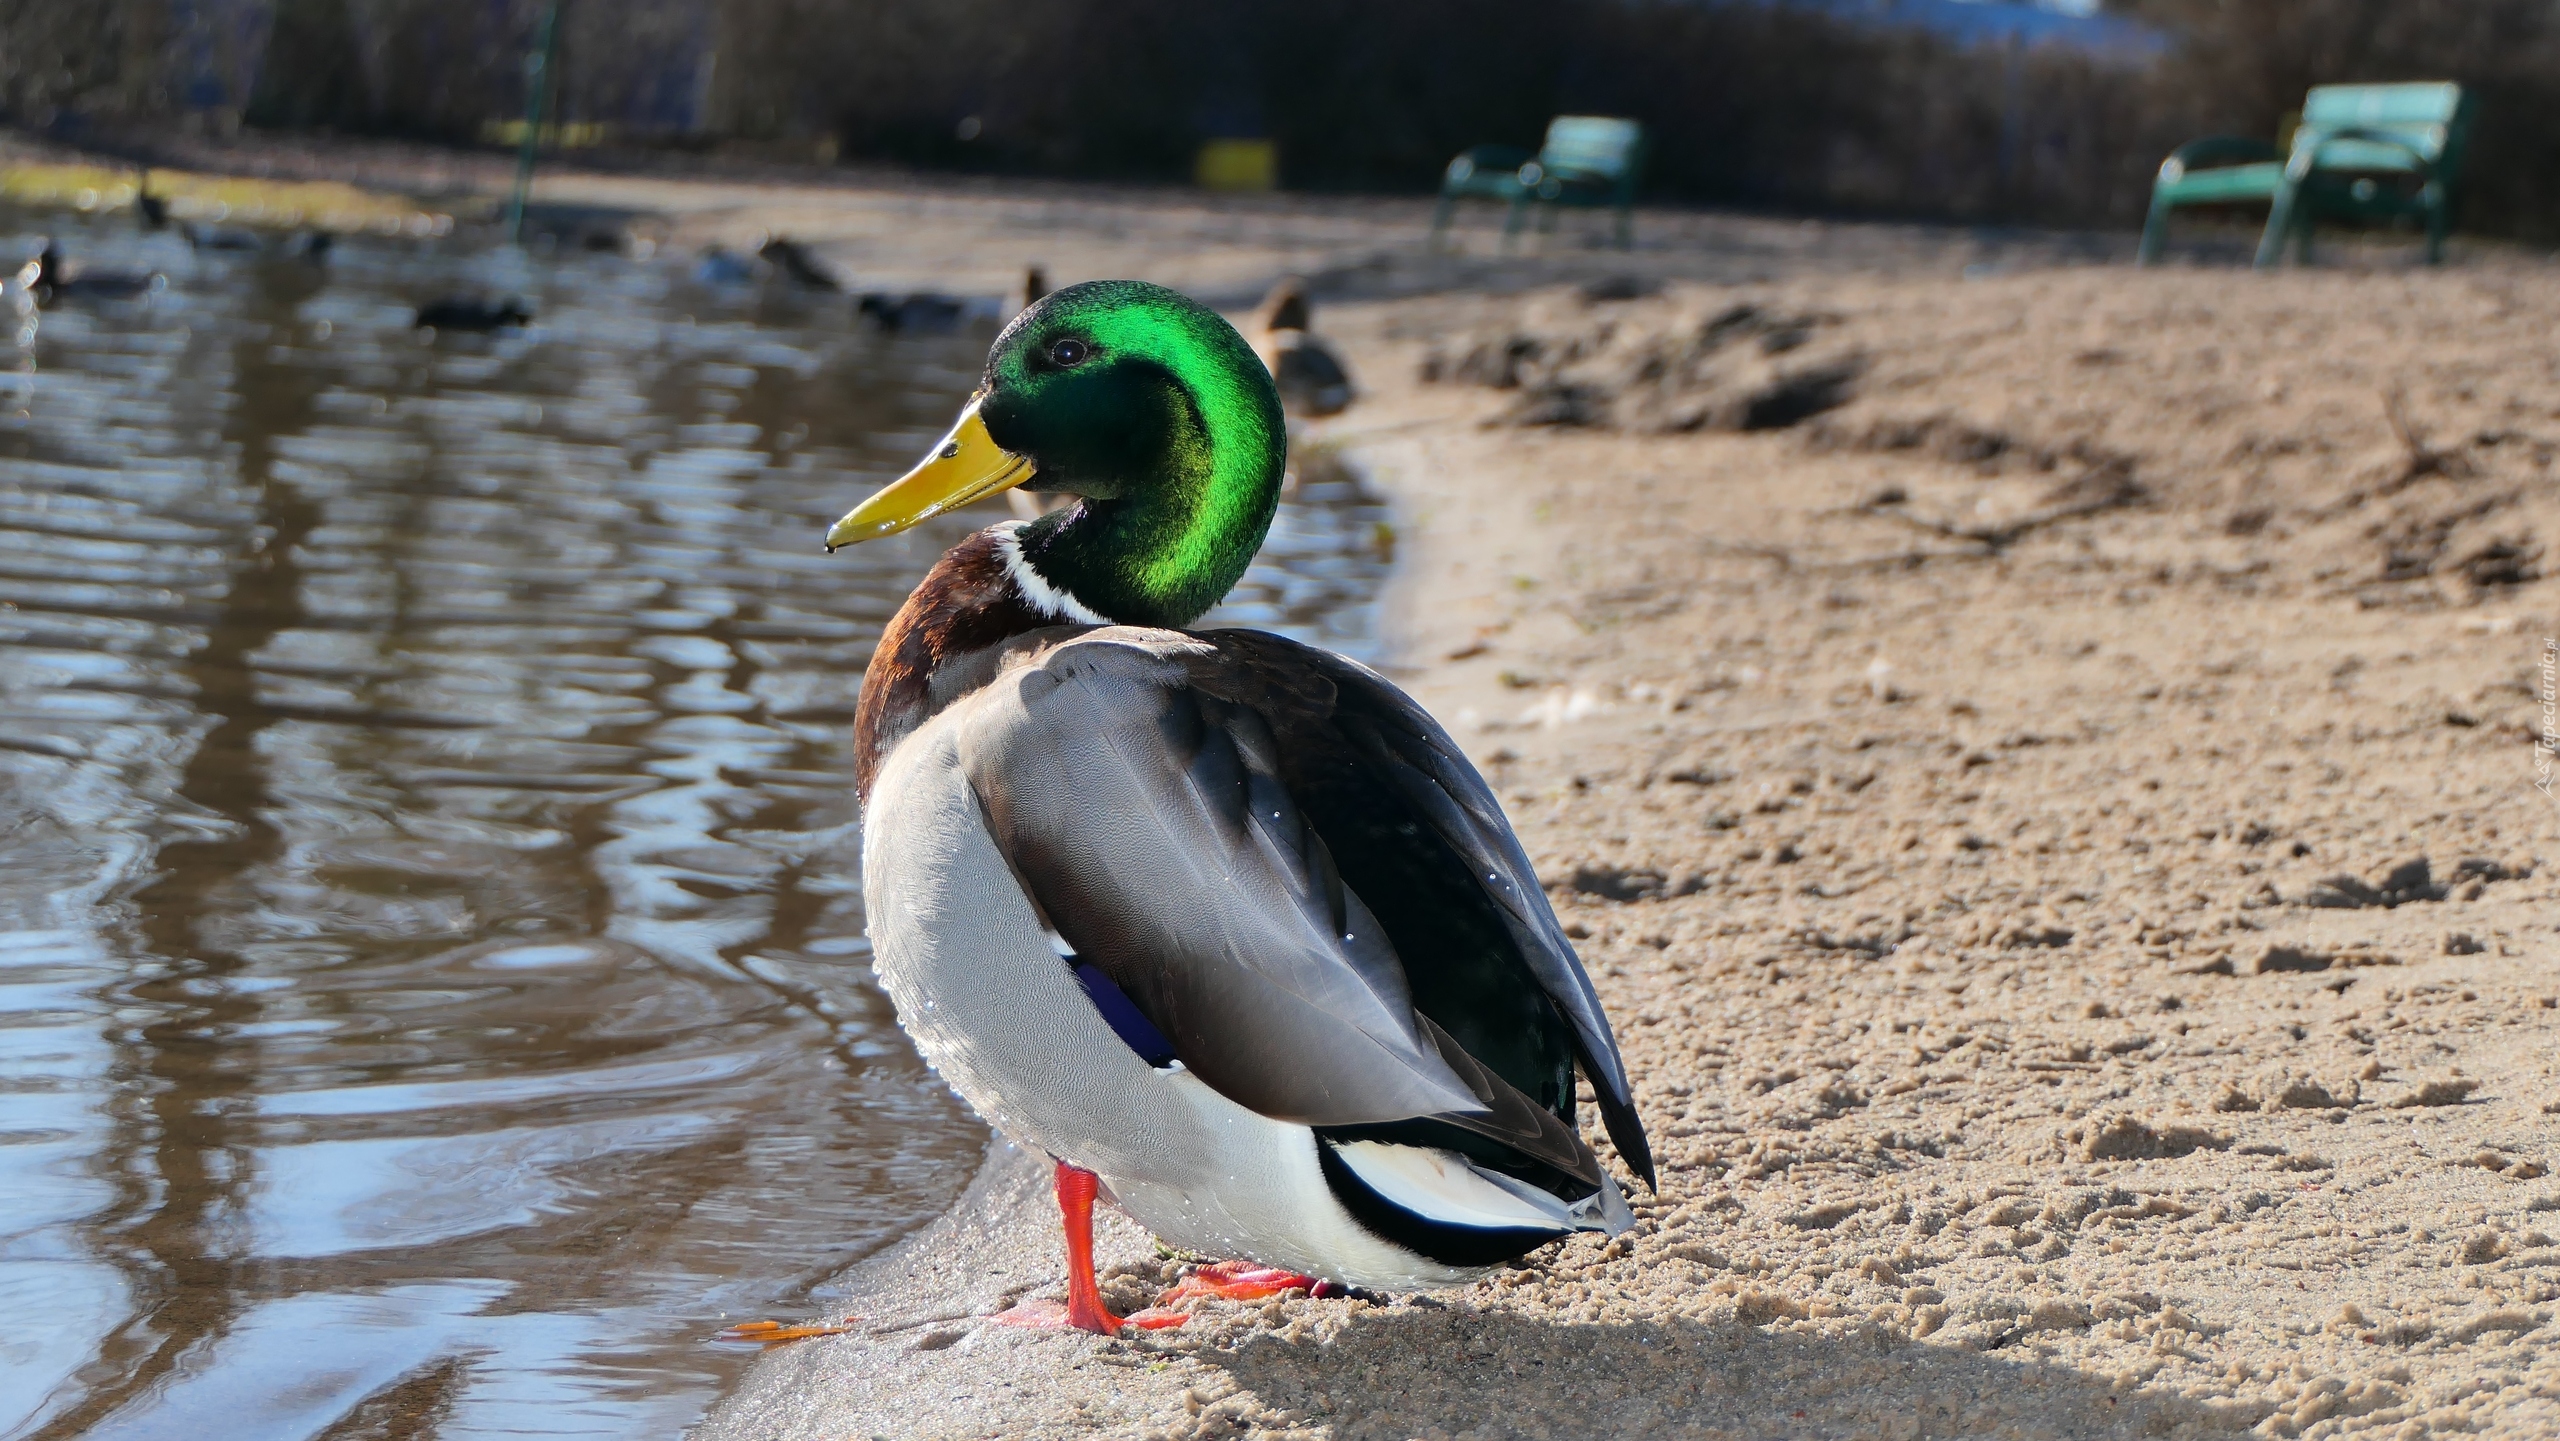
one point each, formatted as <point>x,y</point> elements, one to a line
<point>1127,1021</point>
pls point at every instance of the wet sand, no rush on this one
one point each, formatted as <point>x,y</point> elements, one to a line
<point>1993,809</point>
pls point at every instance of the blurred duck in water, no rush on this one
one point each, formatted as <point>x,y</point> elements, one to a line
<point>1035,284</point>
<point>795,263</point>
<point>474,313</point>
<point>149,209</point>
<point>51,283</point>
<point>927,312</point>
<point>920,312</point>
<point>1311,377</point>
<point>152,212</point>
<point>230,239</point>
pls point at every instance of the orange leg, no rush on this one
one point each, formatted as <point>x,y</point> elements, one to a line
<point>1084,1309</point>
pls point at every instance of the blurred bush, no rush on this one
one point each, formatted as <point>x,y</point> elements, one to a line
<point>54,55</point>
<point>1750,103</point>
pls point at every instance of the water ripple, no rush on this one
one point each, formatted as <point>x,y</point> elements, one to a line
<point>431,975</point>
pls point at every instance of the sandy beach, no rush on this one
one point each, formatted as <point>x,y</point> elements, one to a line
<point>2039,758</point>
<point>2057,831</point>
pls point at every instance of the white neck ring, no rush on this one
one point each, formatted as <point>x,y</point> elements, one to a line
<point>1036,589</point>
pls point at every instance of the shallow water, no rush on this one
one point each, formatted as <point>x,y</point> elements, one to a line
<point>432,999</point>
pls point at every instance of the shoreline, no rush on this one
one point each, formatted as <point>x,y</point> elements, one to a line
<point>890,230</point>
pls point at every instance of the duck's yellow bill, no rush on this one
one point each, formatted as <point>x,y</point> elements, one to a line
<point>967,466</point>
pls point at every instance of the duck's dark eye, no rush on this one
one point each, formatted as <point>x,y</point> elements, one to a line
<point>1067,352</point>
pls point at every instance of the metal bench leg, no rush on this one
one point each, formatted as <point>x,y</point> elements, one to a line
<point>1626,227</point>
<point>2155,233</point>
<point>2437,223</point>
<point>1440,216</point>
<point>2279,225</point>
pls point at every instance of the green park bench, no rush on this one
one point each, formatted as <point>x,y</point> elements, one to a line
<point>1588,161</point>
<point>2362,152</point>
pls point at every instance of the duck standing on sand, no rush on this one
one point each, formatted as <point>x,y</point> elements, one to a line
<point>1311,377</point>
<point>1225,924</point>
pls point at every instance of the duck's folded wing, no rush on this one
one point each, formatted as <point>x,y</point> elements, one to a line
<point>1387,742</point>
<point>1145,818</point>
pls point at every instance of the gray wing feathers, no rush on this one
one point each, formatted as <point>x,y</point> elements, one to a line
<point>1512,1118</point>
<point>1146,819</point>
<point>1434,775</point>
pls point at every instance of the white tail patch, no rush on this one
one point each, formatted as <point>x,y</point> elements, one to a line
<point>1442,1186</point>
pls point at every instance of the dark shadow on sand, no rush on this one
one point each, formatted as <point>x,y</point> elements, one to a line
<point>1418,1371</point>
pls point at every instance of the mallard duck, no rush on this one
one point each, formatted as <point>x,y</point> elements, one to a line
<point>220,237</point>
<point>472,312</point>
<point>1311,377</point>
<point>1035,284</point>
<point>920,312</point>
<point>1225,924</point>
<point>930,312</point>
<point>935,313</point>
<point>798,264</point>
<point>149,210</point>
<point>51,284</point>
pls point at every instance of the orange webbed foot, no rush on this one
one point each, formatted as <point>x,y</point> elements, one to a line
<point>774,1333</point>
<point>1038,1316</point>
<point>1242,1281</point>
<point>1058,1316</point>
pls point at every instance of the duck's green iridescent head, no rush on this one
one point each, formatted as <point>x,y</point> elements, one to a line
<point>1144,404</point>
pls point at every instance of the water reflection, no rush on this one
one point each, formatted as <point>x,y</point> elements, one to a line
<point>431,993</point>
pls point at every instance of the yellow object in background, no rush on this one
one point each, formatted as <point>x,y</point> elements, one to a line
<point>576,135</point>
<point>1238,165</point>
<point>236,199</point>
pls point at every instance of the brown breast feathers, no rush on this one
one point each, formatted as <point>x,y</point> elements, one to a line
<point>966,604</point>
